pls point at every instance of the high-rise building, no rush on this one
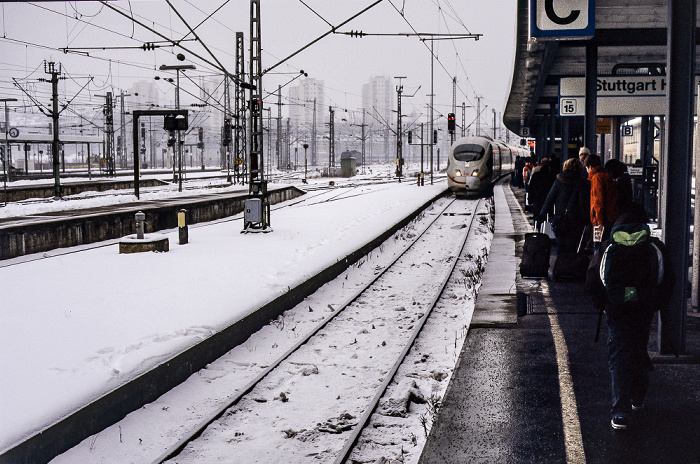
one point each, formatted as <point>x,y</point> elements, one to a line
<point>378,97</point>
<point>301,113</point>
<point>378,101</point>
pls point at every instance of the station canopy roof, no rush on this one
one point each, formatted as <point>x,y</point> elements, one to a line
<point>631,39</point>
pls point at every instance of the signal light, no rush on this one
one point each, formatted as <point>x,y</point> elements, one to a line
<point>435,137</point>
<point>410,137</point>
<point>201,134</point>
<point>451,123</point>
<point>227,131</point>
<point>255,105</point>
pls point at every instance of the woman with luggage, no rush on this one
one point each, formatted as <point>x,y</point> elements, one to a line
<point>568,201</point>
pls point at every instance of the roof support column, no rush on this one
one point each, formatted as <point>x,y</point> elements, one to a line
<point>591,96</point>
<point>564,141</point>
<point>681,66</point>
<point>552,130</point>
<point>615,138</point>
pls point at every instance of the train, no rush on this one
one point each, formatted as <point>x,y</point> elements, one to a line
<point>476,163</point>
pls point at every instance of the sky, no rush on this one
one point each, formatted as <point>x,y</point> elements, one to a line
<point>33,32</point>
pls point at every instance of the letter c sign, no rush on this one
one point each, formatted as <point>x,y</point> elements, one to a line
<point>561,19</point>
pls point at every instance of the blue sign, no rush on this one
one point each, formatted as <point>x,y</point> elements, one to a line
<point>562,19</point>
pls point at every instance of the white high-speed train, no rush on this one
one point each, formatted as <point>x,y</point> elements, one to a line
<point>475,163</point>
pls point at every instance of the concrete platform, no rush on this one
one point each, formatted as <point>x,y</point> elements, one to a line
<point>538,391</point>
<point>69,228</point>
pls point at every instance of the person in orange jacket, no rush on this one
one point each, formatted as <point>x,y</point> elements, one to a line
<point>604,210</point>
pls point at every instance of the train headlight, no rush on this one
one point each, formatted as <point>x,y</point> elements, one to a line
<point>458,173</point>
<point>475,172</point>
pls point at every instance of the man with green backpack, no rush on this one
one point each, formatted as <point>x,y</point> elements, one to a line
<point>629,278</point>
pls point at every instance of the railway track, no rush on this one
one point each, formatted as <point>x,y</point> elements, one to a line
<point>314,401</point>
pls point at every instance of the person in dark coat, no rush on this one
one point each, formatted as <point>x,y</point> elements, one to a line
<point>623,182</point>
<point>541,181</point>
<point>568,224</point>
<point>518,172</point>
<point>628,328</point>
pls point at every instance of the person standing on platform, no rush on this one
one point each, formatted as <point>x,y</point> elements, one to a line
<point>540,183</point>
<point>604,210</point>
<point>527,171</point>
<point>518,172</point>
<point>583,154</point>
<point>629,279</point>
<point>568,200</point>
<point>623,182</point>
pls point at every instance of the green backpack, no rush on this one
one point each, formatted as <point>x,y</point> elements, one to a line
<point>632,267</point>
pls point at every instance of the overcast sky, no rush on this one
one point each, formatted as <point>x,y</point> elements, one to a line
<point>33,32</point>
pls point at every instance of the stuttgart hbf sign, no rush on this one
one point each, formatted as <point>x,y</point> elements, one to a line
<point>616,95</point>
<point>562,19</point>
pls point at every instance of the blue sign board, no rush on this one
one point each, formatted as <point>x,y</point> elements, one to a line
<point>562,19</point>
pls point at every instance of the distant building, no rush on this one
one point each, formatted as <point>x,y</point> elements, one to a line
<point>144,94</point>
<point>379,102</point>
<point>301,112</point>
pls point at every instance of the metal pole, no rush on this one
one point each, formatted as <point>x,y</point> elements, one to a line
<point>681,66</point>
<point>421,151</point>
<point>591,96</point>
<point>7,149</point>
<point>55,143</point>
<point>695,296</point>
<point>179,146</point>
<point>432,94</point>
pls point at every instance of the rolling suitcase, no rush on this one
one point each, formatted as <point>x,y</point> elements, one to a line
<point>571,266</point>
<point>535,260</point>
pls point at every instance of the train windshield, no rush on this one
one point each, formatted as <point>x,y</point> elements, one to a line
<point>468,152</point>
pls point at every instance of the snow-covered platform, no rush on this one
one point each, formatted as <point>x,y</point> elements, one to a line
<point>89,335</point>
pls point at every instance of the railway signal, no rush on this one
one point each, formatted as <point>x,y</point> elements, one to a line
<point>451,125</point>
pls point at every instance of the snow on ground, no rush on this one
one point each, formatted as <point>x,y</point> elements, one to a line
<point>143,435</point>
<point>76,326</point>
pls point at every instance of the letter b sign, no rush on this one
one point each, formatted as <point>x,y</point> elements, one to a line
<point>561,19</point>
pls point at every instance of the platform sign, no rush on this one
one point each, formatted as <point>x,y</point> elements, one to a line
<point>635,171</point>
<point>616,95</point>
<point>562,19</point>
<point>627,131</point>
<point>525,131</point>
<point>603,125</point>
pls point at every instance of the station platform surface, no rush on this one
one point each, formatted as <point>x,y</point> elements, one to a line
<point>536,388</point>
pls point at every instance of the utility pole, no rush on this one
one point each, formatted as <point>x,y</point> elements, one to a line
<point>454,106</point>
<point>50,68</point>
<point>239,138</point>
<point>331,136</point>
<point>109,133</point>
<point>6,158</point>
<point>227,116</point>
<point>279,126</point>
<point>478,116</point>
<point>363,140</point>
<point>399,153</point>
<point>313,137</point>
<point>122,130</point>
<point>494,123</point>
<point>464,121</point>
<point>257,207</point>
